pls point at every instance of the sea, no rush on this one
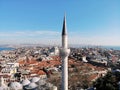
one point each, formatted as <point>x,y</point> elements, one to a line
<point>111,47</point>
<point>105,47</point>
<point>5,48</point>
<point>94,46</point>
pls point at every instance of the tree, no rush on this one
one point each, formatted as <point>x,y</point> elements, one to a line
<point>108,82</point>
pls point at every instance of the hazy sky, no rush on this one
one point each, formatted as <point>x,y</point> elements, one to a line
<point>95,22</point>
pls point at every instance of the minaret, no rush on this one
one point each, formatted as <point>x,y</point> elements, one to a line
<point>64,53</point>
<point>1,81</point>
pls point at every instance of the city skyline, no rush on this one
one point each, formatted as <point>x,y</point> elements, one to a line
<point>89,22</point>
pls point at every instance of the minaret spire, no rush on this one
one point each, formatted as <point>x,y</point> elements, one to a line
<point>64,30</point>
<point>64,34</point>
<point>64,53</point>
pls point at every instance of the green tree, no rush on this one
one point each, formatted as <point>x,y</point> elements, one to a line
<point>108,82</point>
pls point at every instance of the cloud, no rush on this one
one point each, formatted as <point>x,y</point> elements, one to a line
<point>101,36</point>
<point>39,36</point>
<point>46,32</point>
<point>109,36</point>
<point>95,40</point>
<point>28,33</point>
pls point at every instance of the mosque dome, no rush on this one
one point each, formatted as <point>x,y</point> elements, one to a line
<point>25,82</point>
<point>15,86</point>
<point>42,82</point>
<point>35,79</point>
<point>31,86</point>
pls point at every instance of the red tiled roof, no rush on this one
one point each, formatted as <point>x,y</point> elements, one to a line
<point>41,72</point>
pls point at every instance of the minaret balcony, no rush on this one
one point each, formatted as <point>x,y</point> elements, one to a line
<point>64,52</point>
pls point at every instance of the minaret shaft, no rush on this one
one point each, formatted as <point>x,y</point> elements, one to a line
<point>64,41</point>
<point>65,73</point>
<point>64,55</point>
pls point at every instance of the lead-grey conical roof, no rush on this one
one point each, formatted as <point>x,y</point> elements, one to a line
<point>64,29</point>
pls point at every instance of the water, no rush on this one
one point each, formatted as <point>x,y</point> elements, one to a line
<point>112,47</point>
<point>5,48</point>
<point>107,47</point>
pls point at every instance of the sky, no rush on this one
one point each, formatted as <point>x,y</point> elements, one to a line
<point>89,22</point>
